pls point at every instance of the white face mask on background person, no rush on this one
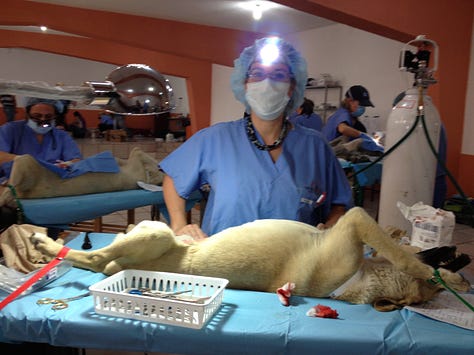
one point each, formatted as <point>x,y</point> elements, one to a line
<point>39,128</point>
<point>268,98</point>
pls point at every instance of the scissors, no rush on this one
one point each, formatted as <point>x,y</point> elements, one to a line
<point>152,293</point>
<point>58,304</point>
<point>173,295</point>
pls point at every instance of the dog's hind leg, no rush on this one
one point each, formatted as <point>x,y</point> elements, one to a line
<point>82,259</point>
<point>144,242</point>
<point>369,232</point>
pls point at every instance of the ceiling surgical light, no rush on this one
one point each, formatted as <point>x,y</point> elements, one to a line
<point>257,12</point>
<point>132,89</point>
<point>257,7</point>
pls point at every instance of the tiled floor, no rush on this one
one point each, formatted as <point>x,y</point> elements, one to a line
<point>463,236</point>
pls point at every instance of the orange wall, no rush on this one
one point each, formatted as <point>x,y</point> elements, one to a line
<point>173,48</point>
<point>189,51</point>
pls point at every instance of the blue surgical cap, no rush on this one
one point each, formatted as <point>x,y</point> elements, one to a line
<point>31,101</point>
<point>288,55</point>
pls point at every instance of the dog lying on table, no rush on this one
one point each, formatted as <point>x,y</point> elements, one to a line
<point>32,180</point>
<point>265,254</point>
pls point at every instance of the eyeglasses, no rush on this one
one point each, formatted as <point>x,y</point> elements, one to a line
<point>39,116</point>
<point>257,74</point>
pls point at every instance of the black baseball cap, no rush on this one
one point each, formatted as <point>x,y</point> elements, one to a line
<point>359,93</point>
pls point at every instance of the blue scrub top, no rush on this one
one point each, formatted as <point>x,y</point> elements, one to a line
<point>245,183</point>
<point>330,129</point>
<point>106,119</point>
<point>313,121</point>
<point>17,138</point>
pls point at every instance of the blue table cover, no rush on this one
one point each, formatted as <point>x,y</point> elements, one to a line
<point>60,211</point>
<point>247,323</point>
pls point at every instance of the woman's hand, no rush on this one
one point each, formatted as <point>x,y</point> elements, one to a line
<point>65,164</point>
<point>193,230</point>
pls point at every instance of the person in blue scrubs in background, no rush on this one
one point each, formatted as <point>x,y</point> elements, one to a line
<point>260,166</point>
<point>305,116</point>
<point>341,122</point>
<point>36,136</point>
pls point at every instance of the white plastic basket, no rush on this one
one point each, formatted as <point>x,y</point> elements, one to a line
<point>112,297</point>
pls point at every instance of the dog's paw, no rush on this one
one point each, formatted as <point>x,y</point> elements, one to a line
<point>454,280</point>
<point>45,244</point>
<point>37,238</point>
<point>129,228</point>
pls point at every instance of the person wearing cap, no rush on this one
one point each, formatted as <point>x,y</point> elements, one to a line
<point>260,166</point>
<point>36,136</point>
<point>341,122</point>
<point>306,117</point>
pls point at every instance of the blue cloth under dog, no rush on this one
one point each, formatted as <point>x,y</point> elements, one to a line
<point>103,162</point>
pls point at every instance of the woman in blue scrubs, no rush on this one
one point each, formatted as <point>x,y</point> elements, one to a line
<point>260,166</point>
<point>36,136</point>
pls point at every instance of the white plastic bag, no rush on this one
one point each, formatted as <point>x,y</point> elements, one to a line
<point>431,227</point>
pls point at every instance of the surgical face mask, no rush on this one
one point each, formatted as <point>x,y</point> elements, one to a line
<point>39,128</point>
<point>359,112</point>
<point>268,98</point>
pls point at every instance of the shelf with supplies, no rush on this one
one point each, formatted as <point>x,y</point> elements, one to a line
<point>327,99</point>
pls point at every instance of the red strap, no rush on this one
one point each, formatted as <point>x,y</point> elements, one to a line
<point>42,272</point>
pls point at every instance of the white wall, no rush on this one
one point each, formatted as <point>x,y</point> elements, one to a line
<point>355,57</point>
<point>224,107</point>
<point>27,66</point>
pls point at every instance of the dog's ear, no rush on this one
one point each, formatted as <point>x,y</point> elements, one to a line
<point>458,263</point>
<point>387,304</point>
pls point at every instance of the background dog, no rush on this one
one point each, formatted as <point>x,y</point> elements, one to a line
<point>32,180</point>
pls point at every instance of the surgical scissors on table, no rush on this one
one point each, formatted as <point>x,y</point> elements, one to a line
<point>58,304</point>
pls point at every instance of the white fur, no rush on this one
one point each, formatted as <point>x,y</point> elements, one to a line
<point>32,180</point>
<point>265,254</point>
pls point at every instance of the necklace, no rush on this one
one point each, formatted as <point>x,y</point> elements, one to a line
<point>250,129</point>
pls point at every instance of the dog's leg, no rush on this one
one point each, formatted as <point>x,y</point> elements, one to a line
<point>369,232</point>
<point>145,242</point>
<point>93,260</point>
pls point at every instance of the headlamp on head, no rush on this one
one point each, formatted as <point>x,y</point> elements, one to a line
<point>45,124</point>
<point>270,52</point>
